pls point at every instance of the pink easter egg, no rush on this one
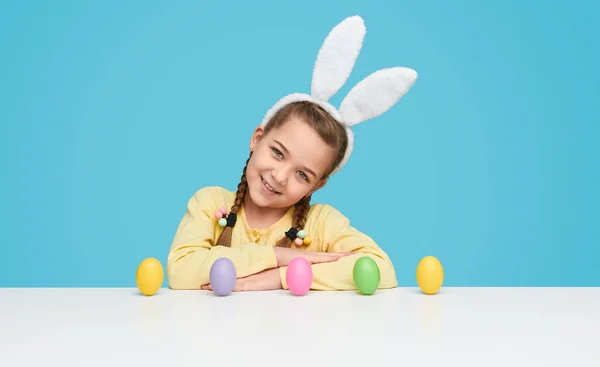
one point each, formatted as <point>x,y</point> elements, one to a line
<point>299,276</point>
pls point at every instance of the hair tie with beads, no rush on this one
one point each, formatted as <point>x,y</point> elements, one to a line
<point>291,234</point>
<point>298,236</point>
<point>224,218</point>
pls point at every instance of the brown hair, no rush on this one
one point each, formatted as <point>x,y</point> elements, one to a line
<point>330,130</point>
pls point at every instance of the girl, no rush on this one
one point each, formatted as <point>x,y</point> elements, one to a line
<point>269,219</point>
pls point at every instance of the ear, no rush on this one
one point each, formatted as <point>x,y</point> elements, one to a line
<point>258,134</point>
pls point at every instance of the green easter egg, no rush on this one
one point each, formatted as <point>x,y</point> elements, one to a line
<point>366,275</point>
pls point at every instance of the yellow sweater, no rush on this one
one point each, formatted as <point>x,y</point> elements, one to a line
<point>193,249</point>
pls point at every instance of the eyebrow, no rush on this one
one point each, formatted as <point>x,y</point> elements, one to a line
<point>287,151</point>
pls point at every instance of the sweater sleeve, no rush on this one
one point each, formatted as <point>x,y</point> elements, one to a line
<point>337,235</point>
<point>193,249</point>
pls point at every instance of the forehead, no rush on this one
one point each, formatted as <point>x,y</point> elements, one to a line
<point>305,146</point>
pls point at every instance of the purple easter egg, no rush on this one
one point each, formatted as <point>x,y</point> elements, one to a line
<point>223,276</point>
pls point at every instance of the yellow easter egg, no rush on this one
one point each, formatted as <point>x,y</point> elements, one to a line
<point>430,275</point>
<point>149,276</point>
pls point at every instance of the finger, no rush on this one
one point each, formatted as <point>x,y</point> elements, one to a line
<point>324,259</point>
<point>339,253</point>
<point>327,255</point>
<point>342,254</point>
<point>333,256</point>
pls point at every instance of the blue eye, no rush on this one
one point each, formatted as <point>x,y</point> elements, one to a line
<point>277,152</point>
<point>303,175</point>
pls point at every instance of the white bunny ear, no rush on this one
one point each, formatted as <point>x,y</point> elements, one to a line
<point>337,57</point>
<point>376,94</point>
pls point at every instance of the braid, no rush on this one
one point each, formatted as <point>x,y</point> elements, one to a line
<point>300,212</point>
<point>302,209</point>
<point>242,189</point>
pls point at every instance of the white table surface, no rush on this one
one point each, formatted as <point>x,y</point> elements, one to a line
<point>398,327</point>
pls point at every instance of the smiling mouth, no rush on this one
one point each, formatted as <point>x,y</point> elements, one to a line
<point>269,187</point>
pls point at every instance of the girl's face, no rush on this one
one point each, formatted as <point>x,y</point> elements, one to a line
<point>286,165</point>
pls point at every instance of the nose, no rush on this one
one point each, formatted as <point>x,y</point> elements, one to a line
<point>280,176</point>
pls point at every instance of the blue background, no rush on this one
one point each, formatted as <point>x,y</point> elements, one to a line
<point>114,113</point>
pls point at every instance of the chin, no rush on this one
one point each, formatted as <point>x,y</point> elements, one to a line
<point>256,195</point>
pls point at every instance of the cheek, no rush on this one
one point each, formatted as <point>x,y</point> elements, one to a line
<point>254,164</point>
<point>251,173</point>
<point>299,189</point>
<point>257,160</point>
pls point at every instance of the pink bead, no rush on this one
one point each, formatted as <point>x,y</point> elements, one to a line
<point>299,276</point>
<point>223,210</point>
<point>299,241</point>
<point>218,215</point>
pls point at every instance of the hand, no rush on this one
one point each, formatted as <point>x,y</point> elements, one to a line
<point>285,255</point>
<point>265,280</point>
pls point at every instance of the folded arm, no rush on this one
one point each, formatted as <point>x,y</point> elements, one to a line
<point>339,236</point>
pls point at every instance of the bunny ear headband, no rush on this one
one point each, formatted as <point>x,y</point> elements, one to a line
<point>370,98</point>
